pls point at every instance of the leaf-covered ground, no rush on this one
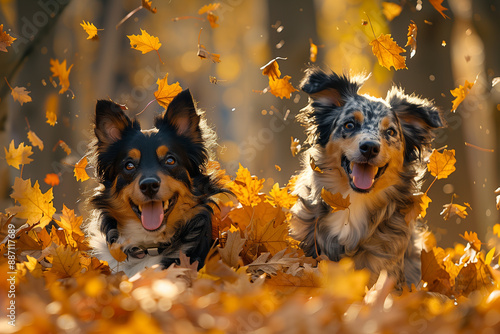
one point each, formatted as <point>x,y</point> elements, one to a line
<point>256,279</point>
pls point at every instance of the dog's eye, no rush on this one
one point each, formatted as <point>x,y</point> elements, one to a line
<point>391,132</point>
<point>349,125</point>
<point>129,166</point>
<point>170,161</point>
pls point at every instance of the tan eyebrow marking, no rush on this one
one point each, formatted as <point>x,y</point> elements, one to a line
<point>386,122</point>
<point>358,116</point>
<point>135,154</point>
<point>161,151</point>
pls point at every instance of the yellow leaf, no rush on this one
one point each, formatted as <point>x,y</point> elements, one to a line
<point>35,140</point>
<point>209,8</point>
<point>418,208</point>
<point>412,38</point>
<point>51,179</point>
<point>281,87</point>
<point>33,205</point>
<point>335,201</point>
<point>388,52</point>
<point>115,249</point>
<point>5,39</point>
<point>33,266</point>
<point>64,146</point>
<point>18,156</point>
<point>280,197</point>
<point>295,146</point>
<point>65,261</point>
<point>496,230</point>
<point>20,94</point>
<point>451,209</point>
<point>425,200</point>
<point>148,5</point>
<point>489,256</point>
<point>313,51</point>
<point>246,187</point>
<point>460,94</point>
<point>315,168</point>
<point>272,69</point>
<point>473,240</point>
<point>145,43</point>
<point>80,172</point>
<point>90,29</point>
<point>212,19</point>
<point>59,70</point>
<point>51,108</point>
<point>391,10</point>
<point>441,165</point>
<point>70,222</point>
<point>437,4</point>
<point>166,93</point>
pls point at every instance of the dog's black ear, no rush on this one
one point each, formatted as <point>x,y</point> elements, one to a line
<point>181,115</point>
<point>110,122</point>
<point>418,117</point>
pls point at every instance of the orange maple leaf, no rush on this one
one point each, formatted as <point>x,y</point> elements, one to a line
<point>33,205</point>
<point>59,70</point>
<point>51,179</point>
<point>460,94</point>
<point>281,87</point>
<point>472,239</point>
<point>80,172</point>
<point>166,93</point>
<point>90,29</point>
<point>437,4</point>
<point>145,43</point>
<point>336,201</point>
<point>412,38</point>
<point>388,52</point>
<point>441,165</point>
<point>5,39</point>
<point>391,10</point>
<point>35,140</point>
<point>18,156</point>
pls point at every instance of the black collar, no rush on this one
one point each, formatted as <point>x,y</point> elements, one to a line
<point>140,252</point>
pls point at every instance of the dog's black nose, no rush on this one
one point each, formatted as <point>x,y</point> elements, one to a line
<point>150,186</point>
<point>369,149</point>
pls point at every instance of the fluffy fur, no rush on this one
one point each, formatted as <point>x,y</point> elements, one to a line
<point>154,192</point>
<point>372,150</point>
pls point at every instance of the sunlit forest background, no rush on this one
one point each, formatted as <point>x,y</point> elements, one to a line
<point>254,128</point>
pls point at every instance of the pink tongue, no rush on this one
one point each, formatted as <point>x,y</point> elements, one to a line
<point>363,175</point>
<point>152,215</point>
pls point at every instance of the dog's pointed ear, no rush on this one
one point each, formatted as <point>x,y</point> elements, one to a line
<point>418,117</point>
<point>181,115</point>
<point>110,122</point>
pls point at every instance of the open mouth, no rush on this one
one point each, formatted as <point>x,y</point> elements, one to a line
<point>362,176</point>
<point>153,213</point>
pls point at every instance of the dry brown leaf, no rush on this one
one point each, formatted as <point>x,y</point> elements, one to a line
<point>230,254</point>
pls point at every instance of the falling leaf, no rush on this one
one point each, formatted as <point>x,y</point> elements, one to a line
<point>59,70</point>
<point>33,205</point>
<point>35,140</point>
<point>90,29</point>
<point>443,43</point>
<point>115,249</point>
<point>209,8</point>
<point>203,53</point>
<point>451,209</point>
<point>80,172</point>
<point>271,69</point>
<point>418,208</point>
<point>20,94</point>
<point>313,51</point>
<point>166,93</point>
<point>437,4</point>
<point>496,230</point>
<point>51,107</point>
<point>278,168</point>
<point>313,165</point>
<point>147,4</point>
<point>460,94</point>
<point>230,254</point>
<point>388,52</point>
<point>281,87</point>
<point>51,179</point>
<point>70,222</point>
<point>145,43</point>
<point>64,146</point>
<point>336,201</point>
<point>295,146</point>
<point>5,39</point>
<point>441,165</point>
<point>497,192</point>
<point>412,38</point>
<point>391,10</point>
<point>434,272</point>
<point>280,197</point>
<point>489,256</point>
<point>18,156</point>
<point>473,240</point>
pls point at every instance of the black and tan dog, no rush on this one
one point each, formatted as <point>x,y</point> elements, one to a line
<point>154,194</point>
<point>373,150</point>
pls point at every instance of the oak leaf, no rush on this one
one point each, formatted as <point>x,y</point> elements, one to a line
<point>166,93</point>
<point>5,39</point>
<point>412,38</point>
<point>441,165</point>
<point>35,140</point>
<point>281,87</point>
<point>80,172</point>
<point>90,29</point>
<point>336,201</point>
<point>437,4</point>
<point>460,94</point>
<point>391,10</point>
<point>20,94</point>
<point>18,156</point>
<point>60,71</point>
<point>33,204</point>
<point>388,52</point>
<point>230,254</point>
